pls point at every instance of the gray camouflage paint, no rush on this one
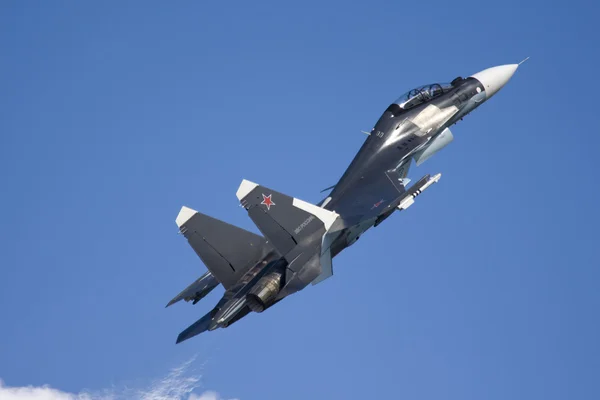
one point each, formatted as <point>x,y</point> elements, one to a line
<point>367,193</point>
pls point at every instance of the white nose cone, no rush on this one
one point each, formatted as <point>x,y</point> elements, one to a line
<point>493,79</point>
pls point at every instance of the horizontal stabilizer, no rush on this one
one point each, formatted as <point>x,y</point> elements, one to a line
<point>197,290</point>
<point>227,251</point>
<point>202,325</point>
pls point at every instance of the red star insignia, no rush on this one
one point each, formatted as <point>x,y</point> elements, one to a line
<point>377,204</point>
<point>267,201</point>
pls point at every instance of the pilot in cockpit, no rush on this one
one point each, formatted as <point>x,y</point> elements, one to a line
<point>421,94</point>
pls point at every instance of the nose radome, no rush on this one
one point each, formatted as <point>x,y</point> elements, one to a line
<point>493,79</point>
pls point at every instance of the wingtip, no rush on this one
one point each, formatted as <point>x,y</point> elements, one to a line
<point>184,215</point>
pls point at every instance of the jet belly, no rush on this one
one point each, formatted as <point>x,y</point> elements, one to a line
<point>356,231</point>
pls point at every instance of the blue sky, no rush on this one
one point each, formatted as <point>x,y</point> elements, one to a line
<point>114,115</point>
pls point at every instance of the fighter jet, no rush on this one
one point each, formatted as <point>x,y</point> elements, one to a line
<point>300,239</point>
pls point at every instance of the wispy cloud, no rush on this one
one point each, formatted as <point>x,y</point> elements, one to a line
<point>179,384</point>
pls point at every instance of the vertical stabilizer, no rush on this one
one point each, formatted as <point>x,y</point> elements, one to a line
<point>227,251</point>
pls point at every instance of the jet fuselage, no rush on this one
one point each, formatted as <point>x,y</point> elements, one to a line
<point>395,137</point>
<point>300,239</point>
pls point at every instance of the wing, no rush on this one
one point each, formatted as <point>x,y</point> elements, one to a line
<point>374,196</point>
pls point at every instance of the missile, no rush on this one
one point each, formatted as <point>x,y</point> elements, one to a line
<point>420,188</point>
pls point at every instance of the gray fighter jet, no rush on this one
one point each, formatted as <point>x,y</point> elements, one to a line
<point>300,239</point>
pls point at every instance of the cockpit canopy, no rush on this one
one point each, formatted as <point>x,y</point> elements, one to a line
<point>422,94</point>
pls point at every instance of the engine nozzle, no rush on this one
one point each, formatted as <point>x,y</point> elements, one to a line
<point>264,292</point>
